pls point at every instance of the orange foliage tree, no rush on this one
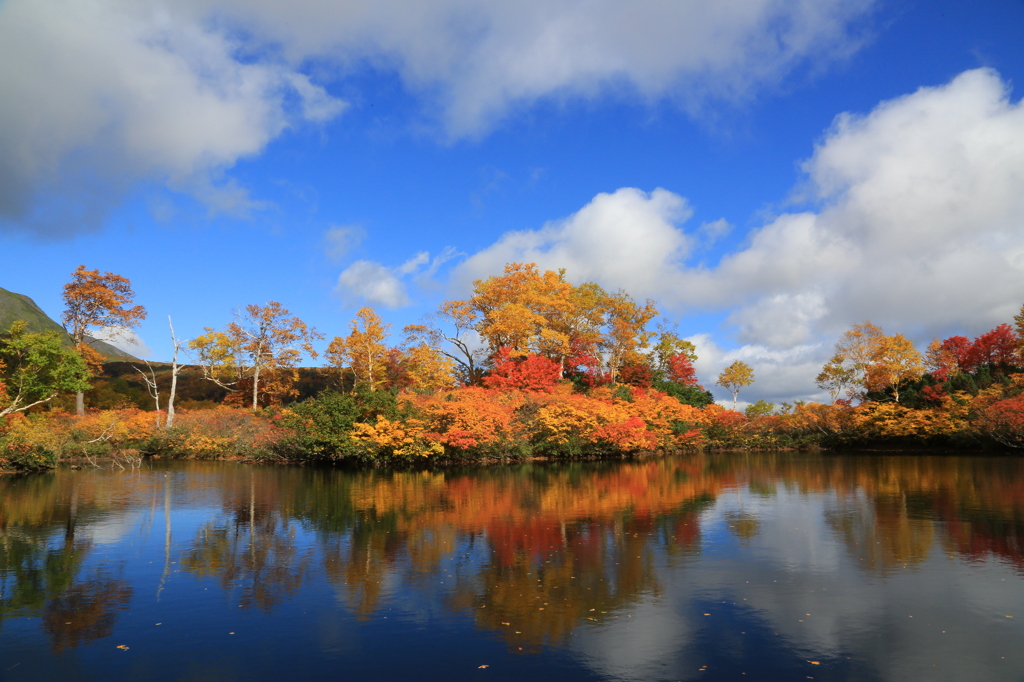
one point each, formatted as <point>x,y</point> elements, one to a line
<point>97,303</point>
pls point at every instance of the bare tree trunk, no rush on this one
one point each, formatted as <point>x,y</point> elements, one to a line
<point>174,376</point>
<point>255,387</point>
<point>79,403</point>
<point>154,389</point>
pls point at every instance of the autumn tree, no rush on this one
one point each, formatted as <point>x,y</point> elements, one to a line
<point>894,361</point>
<point>835,377</point>
<point>35,368</point>
<point>734,377</point>
<point>364,351</point>
<point>873,361</point>
<point>998,349</point>
<point>667,349</point>
<point>97,303</point>
<point>626,334</point>
<point>261,339</point>
<point>452,333</point>
<point>521,310</point>
<point>530,373</point>
<point>1018,320</point>
<point>941,362</point>
<point>429,370</point>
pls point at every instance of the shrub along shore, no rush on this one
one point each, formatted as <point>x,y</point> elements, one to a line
<point>483,424</point>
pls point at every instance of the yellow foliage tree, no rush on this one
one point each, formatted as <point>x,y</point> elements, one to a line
<point>260,339</point>
<point>626,334</point>
<point>522,310</point>
<point>430,370</point>
<point>894,361</point>
<point>734,377</point>
<point>363,351</point>
<point>875,361</point>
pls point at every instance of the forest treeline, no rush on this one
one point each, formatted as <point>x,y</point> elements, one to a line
<point>530,365</point>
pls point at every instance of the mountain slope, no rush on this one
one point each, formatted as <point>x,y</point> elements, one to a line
<point>20,307</point>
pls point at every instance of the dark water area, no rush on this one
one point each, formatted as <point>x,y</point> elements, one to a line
<point>708,567</point>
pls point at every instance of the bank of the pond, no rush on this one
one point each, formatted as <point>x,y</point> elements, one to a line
<point>484,425</point>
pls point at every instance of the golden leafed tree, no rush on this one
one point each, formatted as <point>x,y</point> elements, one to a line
<point>429,370</point>
<point>452,332</point>
<point>364,351</point>
<point>734,377</point>
<point>835,377</point>
<point>97,303</point>
<point>260,339</point>
<point>876,362</point>
<point>895,360</point>
<point>626,333</point>
<point>521,309</point>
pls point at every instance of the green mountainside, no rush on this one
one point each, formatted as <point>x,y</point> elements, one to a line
<point>15,307</point>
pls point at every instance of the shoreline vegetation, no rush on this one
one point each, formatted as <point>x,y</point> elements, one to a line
<point>530,367</point>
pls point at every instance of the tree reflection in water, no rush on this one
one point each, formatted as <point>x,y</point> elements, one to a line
<point>530,553</point>
<point>42,559</point>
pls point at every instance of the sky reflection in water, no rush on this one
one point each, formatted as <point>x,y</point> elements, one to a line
<point>706,567</point>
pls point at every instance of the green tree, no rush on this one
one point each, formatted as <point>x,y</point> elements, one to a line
<point>759,409</point>
<point>35,368</point>
<point>734,377</point>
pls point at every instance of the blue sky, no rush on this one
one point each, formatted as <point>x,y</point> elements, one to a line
<point>769,172</point>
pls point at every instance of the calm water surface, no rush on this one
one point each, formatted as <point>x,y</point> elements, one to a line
<point>717,567</point>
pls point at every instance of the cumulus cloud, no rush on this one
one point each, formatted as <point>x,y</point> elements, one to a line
<point>918,226</point>
<point>921,225</point>
<point>626,239</point>
<point>100,95</point>
<point>103,94</point>
<point>373,283</point>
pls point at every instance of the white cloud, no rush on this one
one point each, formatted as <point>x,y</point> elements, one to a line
<point>379,285</point>
<point>626,239</point>
<point>339,240</point>
<point>413,264</point>
<point>477,60</point>
<point>101,94</point>
<point>373,283</point>
<point>124,339</point>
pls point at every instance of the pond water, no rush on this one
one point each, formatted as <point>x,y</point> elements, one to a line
<point>708,567</point>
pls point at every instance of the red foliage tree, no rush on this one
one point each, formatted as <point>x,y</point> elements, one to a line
<point>996,348</point>
<point>681,371</point>
<point>530,373</point>
<point>584,363</point>
<point>636,374</point>
<point>396,370</point>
